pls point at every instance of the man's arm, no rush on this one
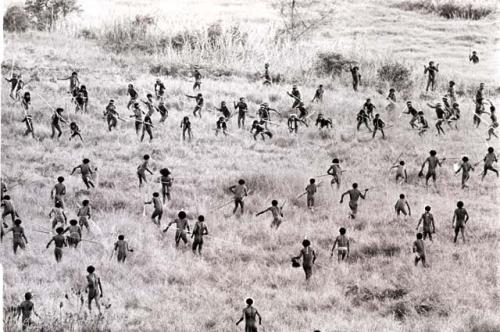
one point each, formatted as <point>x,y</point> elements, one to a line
<point>419,222</point>
<point>334,245</point>
<point>48,244</point>
<point>240,320</point>
<point>342,197</point>
<point>423,165</point>
<point>363,196</point>
<point>74,169</point>
<point>466,217</point>
<point>409,209</point>
<point>261,212</point>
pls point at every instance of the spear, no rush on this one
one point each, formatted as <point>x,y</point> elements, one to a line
<point>305,192</point>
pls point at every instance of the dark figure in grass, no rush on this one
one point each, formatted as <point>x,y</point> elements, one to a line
<point>147,126</point>
<point>199,104</point>
<point>86,171</point>
<point>308,256</point>
<point>323,122</point>
<point>474,58</point>
<point>318,95</point>
<point>427,221</point>
<point>186,128</point>
<point>75,131</point>
<point>489,160</point>
<point>142,169</point>
<point>28,119</point>
<point>466,168</point>
<point>199,230</point>
<point>354,196</point>
<point>94,288</point>
<point>378,125</point>
<point>342,244</point>
<point>431,72</point>
<point>111,115</point>
<point>75,233</point>
<point>362,119</point>
<point>158,209</point>
<point>250,315</point>
<point>122,248</point>
<point>240,191</point>
<point>433,162</point>
<point>258,128</point>
<point>356,77</point>
<point>419,250</point>
<point>56,121</point>
<point>460,218</point>
<point>59,242</point>
<point>277,213</point>
<point>242,109</point>
<point>182,228</point>
<point>25,309</point>
<point>19,239</point>
<point>166,184</point>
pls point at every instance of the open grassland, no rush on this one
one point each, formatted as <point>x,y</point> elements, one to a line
<point>160,288</point>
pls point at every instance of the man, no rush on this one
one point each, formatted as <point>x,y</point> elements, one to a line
<point>146,128</point>
<point>133,96</point>
<point>354,195</point>
<point>199,230</point>
<point>401,172</point>
<point>84,214</point>
<point>413,112</point>
<point>19,239</point>
<point>336,172</point>
<point>111,115</point>
<point>451,92</point>
<point>221,125</point>
<point>308,256</point>
<point>342,241</point>
<point>378,125</point>
<point>318,95</point>
<point>197,79</point>
<point>242,108</point>
<point>240,191</point>
<point>162,109</point>
<point>74,83</point>
<point>362,118</point>
<point>59,242</point>
<point>259,129</point>
<point>224,110</point>
<point>460,218</point>
<point>431,78</point>
<point>75,233</point>
<point>142,169</point>
<point>419,250</point>
<point>310,192</point>
<point>86,171</point>
<point>392,100</point>
<point>440,114</point>
<point>369,108</point>
<point>249,315</point>
<point>138,113</point>
<point>356,77</point>
<point>158,209</point>
<point>465,167</point>
<point>401,206</point>
<point>121,246</point>
<point>474,58</point>
<point>295,94</point>
<point>479,109</point>
<point>489,160</point>
<point>323,122</point>
<point>293,123</point>
<point>94,288</point>
<point>54,123</point>
<point>159,89</point>
<point>266,76</point>
<point>427,221</point>
<point>25,309</point>
<point>28,119</point>
<point>277,213</point>
<point>182,224</point>
<point>199,104</point>
<point>166,184</point>
<point>494,122</point>
<point>149,104</point>
<point>433,162</point>
<point>186,128</point>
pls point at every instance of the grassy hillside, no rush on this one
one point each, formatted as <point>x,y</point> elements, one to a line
<point>160,288</point>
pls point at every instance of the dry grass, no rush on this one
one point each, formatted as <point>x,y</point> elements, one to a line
<point>160,288</point>
<point>451,9</point>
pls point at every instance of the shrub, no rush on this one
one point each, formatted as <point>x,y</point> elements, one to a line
<point>396,74</point>
<point>330,63</point>
<point>45,13</point>
<point>450,9</point>
<point>16,19</point>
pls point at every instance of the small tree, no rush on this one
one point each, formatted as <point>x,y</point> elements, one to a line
<point>301,17</point>
<point>45,13</point>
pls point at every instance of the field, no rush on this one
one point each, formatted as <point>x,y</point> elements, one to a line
<point>160,288</point>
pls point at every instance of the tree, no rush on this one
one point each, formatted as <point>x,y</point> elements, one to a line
<point>15,19</point>
<point>301,17</point>
<point>45,13</point>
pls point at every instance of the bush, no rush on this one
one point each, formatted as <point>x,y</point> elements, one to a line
<point>330,63</point>
<point>450,9</point>
<point>16,19</point>
<point>396,74</point>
